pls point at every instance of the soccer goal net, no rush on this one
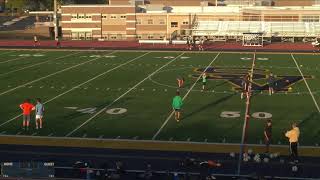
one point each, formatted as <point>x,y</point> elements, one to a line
<point>252,39</point>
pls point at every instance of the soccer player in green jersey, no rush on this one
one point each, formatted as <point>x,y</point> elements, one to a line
<point>176,105</point>
<point>204,81</point>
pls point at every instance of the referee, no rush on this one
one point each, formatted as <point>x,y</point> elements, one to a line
<point>293,136</point>
<point>267,134</point>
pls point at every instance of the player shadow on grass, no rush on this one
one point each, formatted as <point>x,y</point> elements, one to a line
<point>210,105</point>
<point>312,116</point>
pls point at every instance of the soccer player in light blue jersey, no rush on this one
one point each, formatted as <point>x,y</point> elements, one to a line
<point>39,113</point>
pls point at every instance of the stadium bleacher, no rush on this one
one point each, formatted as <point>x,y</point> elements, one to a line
<point>237,28</point>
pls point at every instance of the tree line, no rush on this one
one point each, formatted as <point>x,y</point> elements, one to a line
<point>42,5</point>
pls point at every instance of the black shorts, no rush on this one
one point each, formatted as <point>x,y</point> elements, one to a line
<point>266,141</point>
<point>177,110</point>
<point>271,85</point>
<point>204,83</point>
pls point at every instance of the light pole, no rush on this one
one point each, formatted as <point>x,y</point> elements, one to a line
<point>55,20</point>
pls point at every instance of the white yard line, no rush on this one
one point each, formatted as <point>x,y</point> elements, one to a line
<point>44,77</point>
<point>121,96</point>
<point>26,67</point>
<point>77,86</point>
<point>305,81</point>
<point>184,97</point>
<point>15,59</point>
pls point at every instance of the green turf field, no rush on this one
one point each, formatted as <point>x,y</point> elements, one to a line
<point>127,95</point>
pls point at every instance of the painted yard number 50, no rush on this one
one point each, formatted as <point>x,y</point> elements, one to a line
<point>236,114</point>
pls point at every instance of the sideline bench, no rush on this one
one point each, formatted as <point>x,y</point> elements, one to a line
<point>154,42</point>
<point>179,42</point>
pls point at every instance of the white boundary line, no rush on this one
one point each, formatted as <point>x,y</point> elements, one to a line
<point>305,81</point>
<point>49,75</point>
<point>184,97</point>
<point>26,67</point>
<point>102,110</point>
<point>75,87</point>
<point>149,141</point>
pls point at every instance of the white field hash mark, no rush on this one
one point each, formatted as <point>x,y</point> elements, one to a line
<point>15,59</point>
<point>184,97</point>
<point>77,86</point>
<point>305,81</point>
<point>132,88</point>
<point>44,77</point>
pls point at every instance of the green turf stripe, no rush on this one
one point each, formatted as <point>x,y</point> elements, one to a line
<point>37,64</point>
<point>44,77</point>
<point>184,97</point>
<point>135,86</point>
<point>75,87</point>
<point>306,83</point>
<point>10,60</point>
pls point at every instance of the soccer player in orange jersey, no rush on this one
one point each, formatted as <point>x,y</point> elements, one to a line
<point>26,107</point>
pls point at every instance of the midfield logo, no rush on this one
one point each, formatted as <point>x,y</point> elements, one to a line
<point>235,75</point>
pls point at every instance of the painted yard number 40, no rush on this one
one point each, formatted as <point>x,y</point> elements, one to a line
<point>113,111</point>
<point>236,114</point>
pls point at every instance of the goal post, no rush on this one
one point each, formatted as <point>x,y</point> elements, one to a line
<point>252,39</point>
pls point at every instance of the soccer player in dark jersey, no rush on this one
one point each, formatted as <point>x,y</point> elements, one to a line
<point>58,42</point>
<point>267,134</point>
<point>271,83</point>
<point>244,85</point>
<point>188,44</point>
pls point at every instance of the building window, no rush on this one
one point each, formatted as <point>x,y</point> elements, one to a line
<point>105,36</point>
<point>185,22</point>
<point>138,21</point>
<point>88,16</point>
<point>123,17</point>
<point>150,36</point>
<point>82,35</point>
<point>310,18</point>
<point>88,36</point>
<point>161,21</point>
<point>74,16</point>
<point>150,21</point>
<point>139,37</point>
<point>113,37</point>
<point>74,36</point>
<point>113,17</point>
<point>80,16</point>
<point>104,17</point>
<point>174,24</point>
